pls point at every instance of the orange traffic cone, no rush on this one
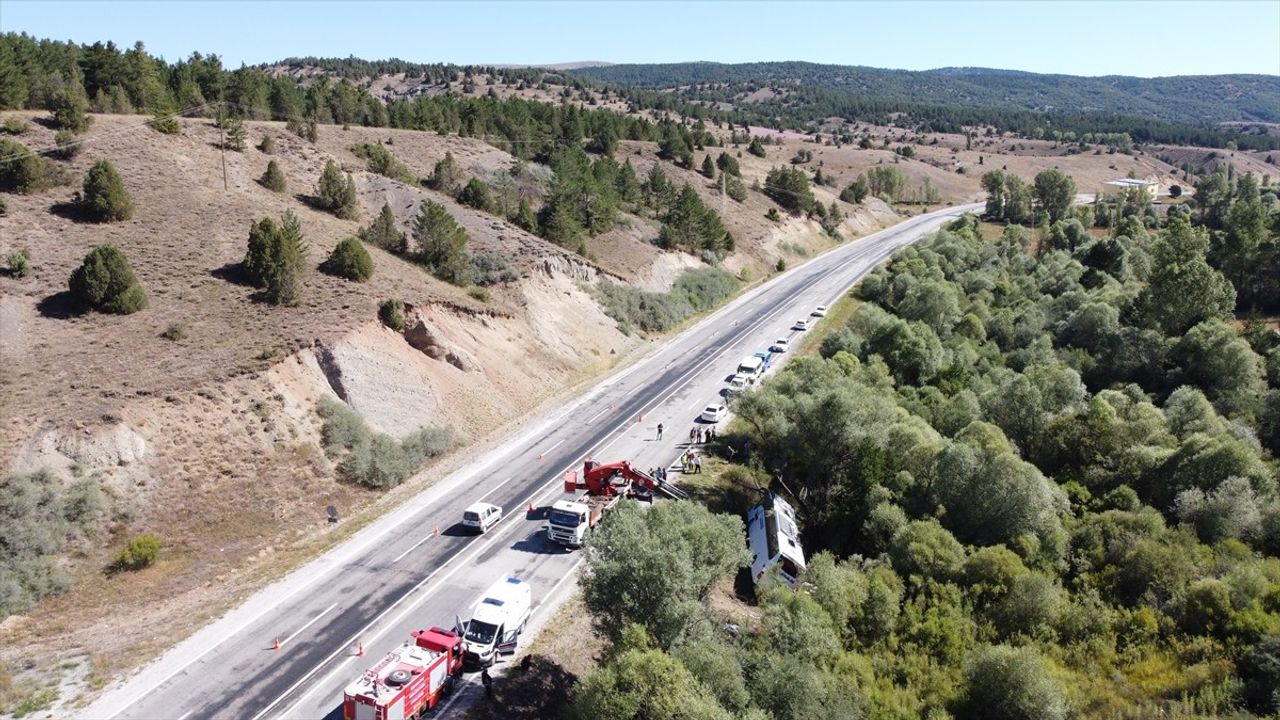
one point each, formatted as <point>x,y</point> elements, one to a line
<point>530,507</point>
<point>276,644</point>
<point>437,530</point>
<point>360,649</point>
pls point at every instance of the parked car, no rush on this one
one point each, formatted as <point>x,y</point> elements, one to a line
<point>780,345</point>
<point>801,324</point>
<point>481,516</point>
<point>740,383</point>
<point>820,311</point>
<point>713,413</point>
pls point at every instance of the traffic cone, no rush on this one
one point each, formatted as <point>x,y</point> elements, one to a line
<point>276,644</point>
<point>437,530</point>
<point>531,507</point>
<point>360,649</point>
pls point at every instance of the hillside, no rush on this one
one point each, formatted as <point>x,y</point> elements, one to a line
<point>1180,99</point>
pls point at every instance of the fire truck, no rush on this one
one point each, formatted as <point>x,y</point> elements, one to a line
<point>409,680</point>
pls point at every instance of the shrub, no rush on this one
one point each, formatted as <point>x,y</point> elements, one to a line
<point>273,178</point>
<point>70,109</point>
<point>165,124</point>
<point>22,171</point>
<point>15,126</point>
<point>381,161</point>
<point>141,552</point>
<point>446,176</point>
<point>696,290</point>
<point>479,293</point>
<point>105,197</point>
<point>349,260</point>
<point>336,194</point>
<point>267,146</point>
<point>175,332</point>
<point>375,460</point>
<point>105,282</point>
<point>490,269</point>
<point>305,129</point>
<point>391,313</point>
<point>19,262</point>
<point>476,194</point>
<point>275,259</point>
<point>1008,684</point>
<point>773,214</point>
<point>781,265</point>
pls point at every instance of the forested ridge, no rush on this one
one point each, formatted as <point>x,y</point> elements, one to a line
<point>1037,478</point>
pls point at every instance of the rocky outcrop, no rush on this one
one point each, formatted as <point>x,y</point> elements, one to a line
<point>427,339</point>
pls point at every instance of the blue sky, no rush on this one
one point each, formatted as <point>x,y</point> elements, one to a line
<point>1079,38</point>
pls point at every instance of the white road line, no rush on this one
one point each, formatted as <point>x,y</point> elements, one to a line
<point>309,622</point>
<point>551,447</point>
<point>457,693</point>
<point>186,715</point>
<point>595,417</point>
<point>494,488</point>
<point>567,575</point>
<point>413,547</point>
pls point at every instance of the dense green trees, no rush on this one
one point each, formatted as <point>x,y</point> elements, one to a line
<point>789,187</point>
<point>337,192</point>
<point>105,198</point>
<point>1054,192</point>
<point>105,282</point>
<point>276,259</point>
<point>349,260</point>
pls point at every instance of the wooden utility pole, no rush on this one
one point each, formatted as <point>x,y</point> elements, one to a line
<point>723,184</point>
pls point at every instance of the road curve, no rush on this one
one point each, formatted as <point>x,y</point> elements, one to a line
<point>398,574</point>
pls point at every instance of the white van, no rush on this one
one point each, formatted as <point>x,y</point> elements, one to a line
<point>751,365</point>
<point>496,622</point>
<point>481,516</point>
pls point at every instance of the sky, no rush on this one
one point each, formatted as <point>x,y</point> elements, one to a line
<point>1078,38</point>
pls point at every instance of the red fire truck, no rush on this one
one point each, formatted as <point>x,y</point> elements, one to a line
<point>409,681</point>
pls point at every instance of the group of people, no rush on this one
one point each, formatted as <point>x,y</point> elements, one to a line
<point>698,435</point>
<point>691,461</point>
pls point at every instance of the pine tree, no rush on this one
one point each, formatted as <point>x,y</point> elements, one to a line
<point>708,168</point>
<point>446,176</point>
<point>383,232</point>
<point>755,148</point>
<point>525,218</point>
<point>105,198</point>
<point>349,260</point>
<point>336,194</point>
<point>476,195</point>
<point>273,178</point>
<point>440,244</point>
<point>627,184</point>
<point>276,258</point>
<point>70,107</point>
<point>105,282</point>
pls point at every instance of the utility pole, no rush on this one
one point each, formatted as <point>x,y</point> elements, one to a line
<point>222,144</point>
<point>723,184</point>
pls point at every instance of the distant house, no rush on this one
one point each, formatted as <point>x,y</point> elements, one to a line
<point>774,540</point>
<point>1115,188</point>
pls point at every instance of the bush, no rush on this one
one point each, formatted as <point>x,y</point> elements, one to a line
<point>391,313</point>
<point>384,233</point>
<point>165,124</point>
<point>773,214</point>
<point>22,171</point>
<point>70,109</point>
<point>381,161</point>
<point>19,262</point>
<point>105,198</point>
<point>1008,684</point>
<point>175,332</point>
<point>476,194</point>
<point>491,269</point>
<point>141,552</point>
<point>336,194</point>
<point>273,178</point>
<point>375,460</point>
<point>349,260</point>
<point>696,290</point>
<point>15,126</point>
<point>267,146</point>
<point>105,282</point>
<point>781,265</point>
<point>275,259</point>
<point>479,293</point>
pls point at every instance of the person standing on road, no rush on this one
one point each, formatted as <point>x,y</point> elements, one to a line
<point>693,434</point>
<point>659,431</point>
<point>487,682</point>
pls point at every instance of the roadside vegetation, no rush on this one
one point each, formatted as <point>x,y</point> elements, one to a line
<point>373,459</point>
<point>1035,481</point>
<point>696,290</point>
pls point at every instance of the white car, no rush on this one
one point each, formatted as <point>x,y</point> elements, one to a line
<point>481,516</point>
<point>820,311</point>
<point>780,345</point>
<point>740,383</point>
<point>802,324</point>
<point>713,413</point>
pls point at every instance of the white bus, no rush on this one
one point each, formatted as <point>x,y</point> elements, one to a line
<point>774,540</point>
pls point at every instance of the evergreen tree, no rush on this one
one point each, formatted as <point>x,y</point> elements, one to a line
<point>855,192</point>
<point>627,184</point>
<point>755,148</point>
<point>275,259</point>
<point>383,232</point>
<point>728,164</point>
<point>476,195</point>
<point>1054,192</point>
<point>735,188</point>
<point>1184,290</point>
<point>789,187</point>
<point>105,282</point>
<point>70,108</point>
<point>337,193</point>
<point>349,260</point>
<point>24,172</point>
<point>525,218</point>
<point>446,177</point>
<point>273,178</point>
<point>105,198</point>
<point>708,167</point>
<point>440,244</point>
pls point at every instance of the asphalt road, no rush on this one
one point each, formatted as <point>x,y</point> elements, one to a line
<point>398,574</point>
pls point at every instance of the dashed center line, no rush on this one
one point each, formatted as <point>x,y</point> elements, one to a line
<point>298,632</point>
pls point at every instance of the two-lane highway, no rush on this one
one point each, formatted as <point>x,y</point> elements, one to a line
<point>415,567</point>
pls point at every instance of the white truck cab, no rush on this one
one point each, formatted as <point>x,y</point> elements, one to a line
<point>496,622</point>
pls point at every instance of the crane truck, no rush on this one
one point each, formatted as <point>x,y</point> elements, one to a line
<point>606,485</point>
<point>409,681</point>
